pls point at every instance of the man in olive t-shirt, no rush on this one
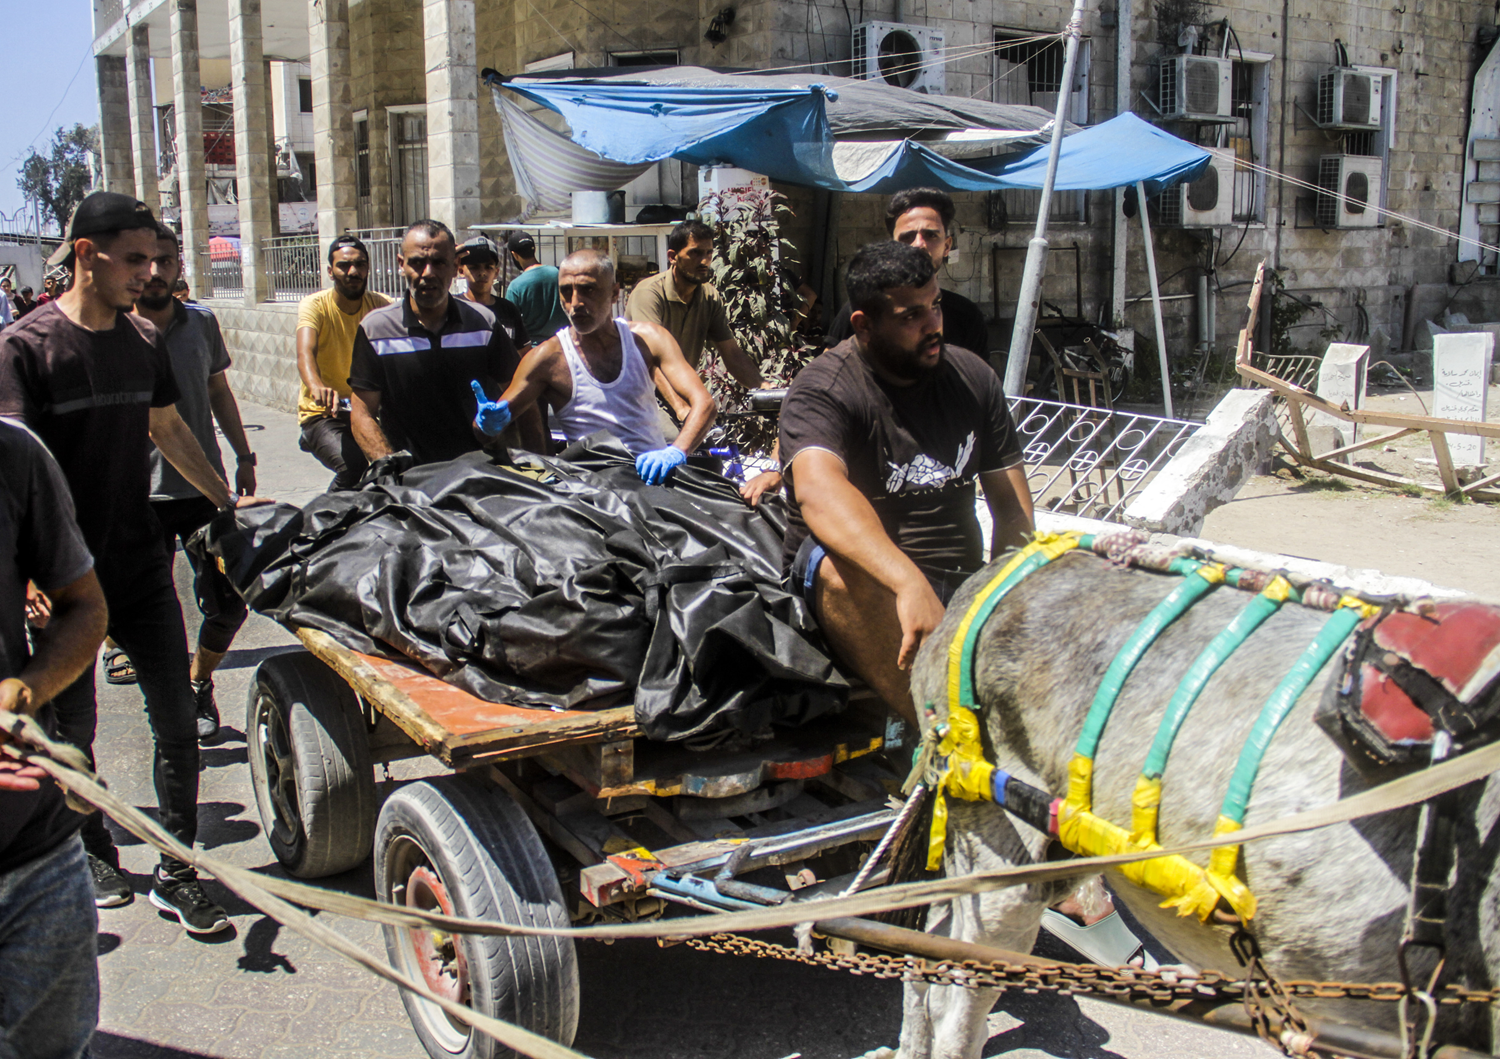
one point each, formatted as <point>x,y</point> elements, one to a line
<point>326,325</point>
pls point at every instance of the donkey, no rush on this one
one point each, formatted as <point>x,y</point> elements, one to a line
<point>1332,903</point>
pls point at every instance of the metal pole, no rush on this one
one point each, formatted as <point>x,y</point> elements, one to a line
<point>1036,251</point>
<point>1161,332</point>
<point>1124,53</point>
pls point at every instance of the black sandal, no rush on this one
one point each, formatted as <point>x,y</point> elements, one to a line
<point>117,667</point>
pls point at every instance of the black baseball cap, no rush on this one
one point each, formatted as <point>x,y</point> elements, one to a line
<point>103,211</point>
<point>478,250</point>
<point>522,243</point>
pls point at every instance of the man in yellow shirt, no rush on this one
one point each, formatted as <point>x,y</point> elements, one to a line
<point>326,324</point>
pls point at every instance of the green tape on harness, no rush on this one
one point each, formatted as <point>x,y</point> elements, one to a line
<point>1200,580</point>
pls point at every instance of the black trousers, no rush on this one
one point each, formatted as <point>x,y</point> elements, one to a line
<point>145,619</point>
<point>330,439</point>
<point>221,606</point>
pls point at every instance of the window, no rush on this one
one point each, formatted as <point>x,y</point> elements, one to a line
<point>304,95</point>
<point>408,164</point>
<point>362,205</point>
<point>560,61</point>
<point>644,58</point>
<point>1030,72</point>
<point>1249,91</point>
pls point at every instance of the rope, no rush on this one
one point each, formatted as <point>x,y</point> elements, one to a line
<point>1413,789</point>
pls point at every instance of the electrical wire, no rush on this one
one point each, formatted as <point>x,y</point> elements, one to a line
<point>1415,222</point>
<point>48,121</point>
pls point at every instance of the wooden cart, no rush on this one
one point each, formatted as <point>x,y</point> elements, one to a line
<point>546,818</point>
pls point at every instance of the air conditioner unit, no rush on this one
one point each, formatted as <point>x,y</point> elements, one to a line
<point>900,55</point>
<point>1207,202</point>
<point>1349,191</point>
<point>1194,88</point>
<point>1349,99</point>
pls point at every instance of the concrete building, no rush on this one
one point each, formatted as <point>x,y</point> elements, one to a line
<point>401,128</point>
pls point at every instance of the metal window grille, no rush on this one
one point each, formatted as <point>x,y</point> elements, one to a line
<point>1030,73</point>
<point>409,138</point>
<point>362,203</point>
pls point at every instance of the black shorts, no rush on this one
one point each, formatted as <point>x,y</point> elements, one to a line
<point>802,579</point>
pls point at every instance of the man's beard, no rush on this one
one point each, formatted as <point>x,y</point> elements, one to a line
<point>155,302</point>
<point>904,364</point>
<point>351,289</point>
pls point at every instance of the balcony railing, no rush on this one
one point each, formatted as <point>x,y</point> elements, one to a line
<point>384,245</point>
<point>292,271</point>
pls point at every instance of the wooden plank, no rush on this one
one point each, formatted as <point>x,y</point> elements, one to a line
<point>452,724</point>
<point>1401,420</point>
<point>376,690</point>
<point>1392,436</point>
<point>545,822</point>
<point>1451,484</point>
<point>1299,429</point>
<point>1243,348</point>
<point>1472,486</point>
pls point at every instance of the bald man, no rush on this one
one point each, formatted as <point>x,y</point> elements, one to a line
<point>596,374</point>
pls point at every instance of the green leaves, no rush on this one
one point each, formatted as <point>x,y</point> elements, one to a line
<point>61,178</point>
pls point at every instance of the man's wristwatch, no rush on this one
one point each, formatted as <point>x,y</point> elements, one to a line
<point>248,457</point>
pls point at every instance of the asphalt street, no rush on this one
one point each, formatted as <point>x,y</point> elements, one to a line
<point>259,990</point>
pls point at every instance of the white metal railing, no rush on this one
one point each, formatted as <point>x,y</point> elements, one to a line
<point>1092,461</point>
<point>292,271</point>
<point>384,245</point>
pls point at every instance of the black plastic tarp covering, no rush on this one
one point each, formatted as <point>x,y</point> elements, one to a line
<point>565,592</point>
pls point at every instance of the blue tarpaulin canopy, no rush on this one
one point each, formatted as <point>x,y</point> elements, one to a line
<point>844,135</point>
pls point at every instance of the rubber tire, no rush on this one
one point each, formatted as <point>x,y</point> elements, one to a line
<point>335,800</point>
<point>493,865</point>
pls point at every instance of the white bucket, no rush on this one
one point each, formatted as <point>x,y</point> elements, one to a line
<point>590,207</point>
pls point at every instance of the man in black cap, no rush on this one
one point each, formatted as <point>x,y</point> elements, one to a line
<point>95,382</point>
<point>534,291</point>
<point>479,264</point>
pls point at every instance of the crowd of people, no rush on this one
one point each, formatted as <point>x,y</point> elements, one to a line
<point>110,391</point>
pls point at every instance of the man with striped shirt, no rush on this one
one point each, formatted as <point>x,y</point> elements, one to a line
<point>415,362</point>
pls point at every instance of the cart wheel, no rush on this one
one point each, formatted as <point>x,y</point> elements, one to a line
<point>310,764</point>
<point>457,846</point>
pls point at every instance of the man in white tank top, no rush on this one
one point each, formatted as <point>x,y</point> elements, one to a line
<point>596,374</point>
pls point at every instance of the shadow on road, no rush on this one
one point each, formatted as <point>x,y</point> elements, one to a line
<point>113,1046</point>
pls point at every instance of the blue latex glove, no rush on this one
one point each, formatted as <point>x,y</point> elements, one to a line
<point>655,466</point>
<point>493,416</point>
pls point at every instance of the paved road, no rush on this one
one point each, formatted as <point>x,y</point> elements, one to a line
<point>260,991</point>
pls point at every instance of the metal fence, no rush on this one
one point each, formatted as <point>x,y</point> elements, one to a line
<point>292,271</point>
<point>384,245</point>
<point>1092,461</point>
<point>227,275</point>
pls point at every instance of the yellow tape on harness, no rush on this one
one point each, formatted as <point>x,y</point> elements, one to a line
<point>956,761</point>
<point>965,774</point>
<point>1187,887</point>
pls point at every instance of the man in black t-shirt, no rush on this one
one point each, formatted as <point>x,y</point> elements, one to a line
<point>479,264</point>
<point>882,439</point>
<point>49,974</point>
<point>416,360</point>
<point>923,218</point>
<point>95,383</point>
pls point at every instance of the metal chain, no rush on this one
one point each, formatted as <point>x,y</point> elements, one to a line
<point>1085,979</point>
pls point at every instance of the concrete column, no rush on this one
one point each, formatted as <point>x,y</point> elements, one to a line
<point>452,113</point>
<point>333,116</point>
<point>143,119</point>
<point>114,123</point>
<point>192,181</point>
<point>252,139</point>
<point>273,183</point>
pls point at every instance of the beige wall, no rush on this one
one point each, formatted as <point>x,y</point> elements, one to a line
<point>1358,275</point>
<point>262,345</point>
